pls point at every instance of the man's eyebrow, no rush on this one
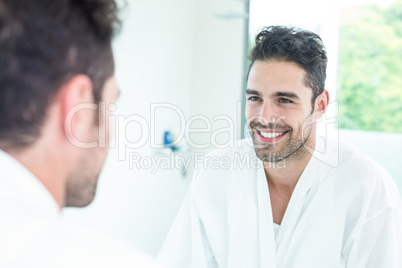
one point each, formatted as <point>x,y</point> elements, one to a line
<point>290,95</point>
<point>252,92</point>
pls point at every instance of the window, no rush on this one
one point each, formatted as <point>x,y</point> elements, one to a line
<point>369,84</point>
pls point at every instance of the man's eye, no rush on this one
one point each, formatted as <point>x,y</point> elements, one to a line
<point>283,100</point>
<point>253,98</point>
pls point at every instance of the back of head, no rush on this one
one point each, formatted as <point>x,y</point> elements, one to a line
<point>43,43</point>
<point>290,44</point>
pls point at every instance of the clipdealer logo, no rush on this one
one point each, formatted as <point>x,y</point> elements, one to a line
<point>116,131</point>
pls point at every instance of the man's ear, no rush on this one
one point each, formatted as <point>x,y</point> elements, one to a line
<point>321,104</point>
<point>75,101</point>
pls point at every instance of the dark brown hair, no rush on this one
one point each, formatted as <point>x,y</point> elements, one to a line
<point>43,43</point>
<point>290,44</point>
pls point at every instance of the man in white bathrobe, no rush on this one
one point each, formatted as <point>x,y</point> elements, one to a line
<point>56,82</point>
<point>289,198</point>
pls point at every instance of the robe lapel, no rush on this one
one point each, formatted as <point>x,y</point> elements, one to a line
<point>265,222</point>
<point>296,207</point>
<point>250,223</point>
<point>241,244</point>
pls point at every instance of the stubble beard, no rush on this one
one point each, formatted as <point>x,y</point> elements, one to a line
<point>82,182</point>
<point>291,148</point>
<point>81,194</point>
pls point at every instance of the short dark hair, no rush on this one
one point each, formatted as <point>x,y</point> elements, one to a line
<point>291,44</point>
<point>43,44</point>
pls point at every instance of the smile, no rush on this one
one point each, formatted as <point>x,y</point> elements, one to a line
<point>271,134</point>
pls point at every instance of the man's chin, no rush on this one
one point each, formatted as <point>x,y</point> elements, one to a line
<point>270,158</point>
<point>83,202</point>
<point>81,194</point>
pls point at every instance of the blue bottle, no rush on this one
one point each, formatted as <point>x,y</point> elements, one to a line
<point>168,141</point>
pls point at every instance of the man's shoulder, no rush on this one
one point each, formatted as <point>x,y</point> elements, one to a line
<point>358,162</point>
<point>57,243</point>
<point>358,172</point>
<point>344,157</point>
<point>109,251</point>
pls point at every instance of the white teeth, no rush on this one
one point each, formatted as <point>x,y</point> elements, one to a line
<point>271,134</point>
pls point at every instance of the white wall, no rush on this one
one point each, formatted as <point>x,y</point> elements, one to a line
<point>218,69</point>
<point>173,52</point>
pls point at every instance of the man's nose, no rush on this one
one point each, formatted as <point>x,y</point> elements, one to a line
<point>270,114</point>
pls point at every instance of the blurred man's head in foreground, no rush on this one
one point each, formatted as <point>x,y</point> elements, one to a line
<point>57,68</point>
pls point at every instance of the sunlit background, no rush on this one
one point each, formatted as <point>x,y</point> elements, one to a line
<point>187,60</point>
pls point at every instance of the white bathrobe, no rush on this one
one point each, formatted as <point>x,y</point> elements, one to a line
<point>344,212</point>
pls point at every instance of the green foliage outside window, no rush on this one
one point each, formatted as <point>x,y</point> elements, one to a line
<point>370,68</point>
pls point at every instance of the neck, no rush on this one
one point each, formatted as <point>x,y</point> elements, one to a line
<point>284,175</point>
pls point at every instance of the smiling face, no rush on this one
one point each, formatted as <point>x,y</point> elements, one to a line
<point>279,111</point>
